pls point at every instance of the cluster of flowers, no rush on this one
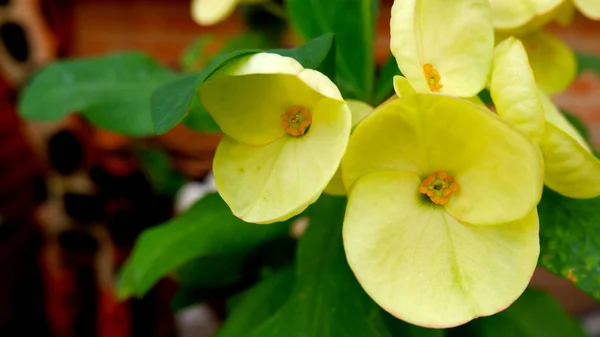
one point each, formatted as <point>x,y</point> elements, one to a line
<point>441,224</point>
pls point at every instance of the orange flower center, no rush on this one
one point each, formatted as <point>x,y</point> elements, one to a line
<point>296,120</point>
<point>433,77</point>
<point>438,186</point>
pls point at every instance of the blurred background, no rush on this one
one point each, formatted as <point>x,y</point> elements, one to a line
<point>74,198</point>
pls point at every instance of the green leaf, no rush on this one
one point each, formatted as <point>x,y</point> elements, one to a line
<point>157,167</point>
<point>403,329</point>
<point>354,33</point>
<point>171,101</point>
<point>199,119</point>
<point>385,83</point>
<point>317,54</point>
<point>207,228</point>
<point>587,62</point>
<point>534,314</point>
<point>254,40</point>
<point>327,301</point>
<point>194,55</point>
<point>112,92</point>
<point>569,240</point>
<point>258,303</point>
<point>225,276</point>
<point>212,271</point>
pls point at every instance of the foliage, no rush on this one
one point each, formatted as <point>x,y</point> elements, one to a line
<point>318,285</point>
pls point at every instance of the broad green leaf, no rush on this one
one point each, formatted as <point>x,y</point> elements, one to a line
<point>258,303</point>
<point>112,92</point>
<point>534,314</point>
<point>569,241</point>
<point>354,33</point>
<point>403,329</point>
<point>318,54</point>
<point>212,271</point>
<point>253,40</point>
<point>199,119</point>
<point>588,62</point>
<point>194,55</point>
<point>225,276</point>
<point>188,295</point>
<point>171,101</point>
<point>157,167</point>
<point>385,83</point>
<point>208,228</point>
<point>326,301</point>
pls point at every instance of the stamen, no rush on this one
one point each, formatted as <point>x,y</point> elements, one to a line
<point>296,120</point>
<point>432,76</point>
<point>438,186</point>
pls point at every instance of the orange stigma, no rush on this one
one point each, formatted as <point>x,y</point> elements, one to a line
<point>296,120</point>
<point>433,77</point>
<point>438,186</point>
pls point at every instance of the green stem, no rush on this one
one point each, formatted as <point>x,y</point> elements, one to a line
<point>275,9</point>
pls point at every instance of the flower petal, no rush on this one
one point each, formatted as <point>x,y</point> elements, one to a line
<point>555,117</point>
<point>273,182</point>
<point>455,37</point>
<point>402,87</point>
<point>259,63</point>
<point>499,170</point>
<point>424,266</point>
<point>589,8</point>
<point>571,167</point>
<point>359,111</point>
<point>253,115</point>
<point>520,16</point>
<point>210,12</point>
<point>514,90</point>
<point>553,62</point>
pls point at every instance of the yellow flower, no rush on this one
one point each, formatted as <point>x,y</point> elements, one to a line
<point>443,46</point>
<point>522,16</point>
<point>589,8</point>
<point>571,167</point>
<point>286,129</point>
<point>441,225</point>
<point>553,62</point>
<point>210,12</point>
<point>359,110</point>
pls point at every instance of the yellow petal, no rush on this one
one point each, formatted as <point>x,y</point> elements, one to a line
<point>359,111</point>
<point>555,117</point>
<point>210,12</point>
<point>455,37</point>
<point>273,182</point>
<point>402,87</point>
<point>499,170</point>
<point>565,13</point>
<point>247,97</point>
<point>553,62</point>
<point>589,8</point>
<point>522,16</point>
<point>514,90</point>
<point>425,267</point>
<point>571,167</point>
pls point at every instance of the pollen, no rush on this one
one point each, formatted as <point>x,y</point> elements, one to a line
<point>296,120</point>
<point>433,77</point>
<point>438,186</point>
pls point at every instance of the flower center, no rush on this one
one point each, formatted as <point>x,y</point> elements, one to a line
<point>433,77</point>
<point>296,120</point>
<point>438,186</point>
